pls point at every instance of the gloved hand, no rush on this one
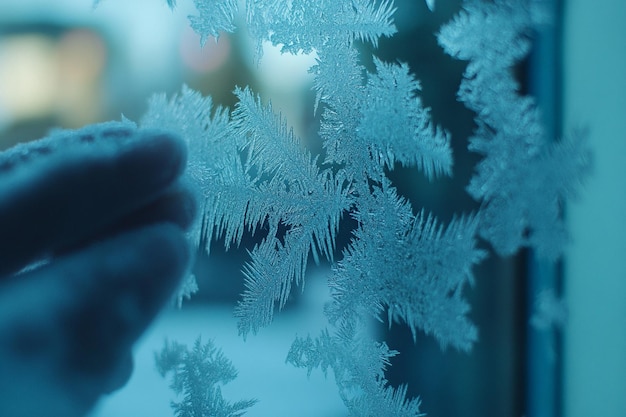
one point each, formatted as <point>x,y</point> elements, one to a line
<point>91,246</point>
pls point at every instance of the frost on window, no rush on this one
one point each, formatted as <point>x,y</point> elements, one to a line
<point>251,172</point>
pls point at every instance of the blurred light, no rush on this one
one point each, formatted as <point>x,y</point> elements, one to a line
<point>42,77</point>
<point>82,58</point>
<point>203,59</point>
<point>28,77</point>
<point>285,71</point>
<point>82,55</point>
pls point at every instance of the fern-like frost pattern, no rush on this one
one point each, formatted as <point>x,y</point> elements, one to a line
<point>396,125</point>
<point>213,17</point>
<point>358,364</point>
<point>196,374</point>
<point>410,267</point>
<point>524,178</point>
<point>250,171</point>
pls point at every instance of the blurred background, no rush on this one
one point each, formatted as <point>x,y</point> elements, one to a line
<point>64,63</point>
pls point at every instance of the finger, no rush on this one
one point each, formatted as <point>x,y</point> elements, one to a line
<point>177,206</point>
<point>119,375</point>
<point>65,196</point>
<point>70,324</point>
